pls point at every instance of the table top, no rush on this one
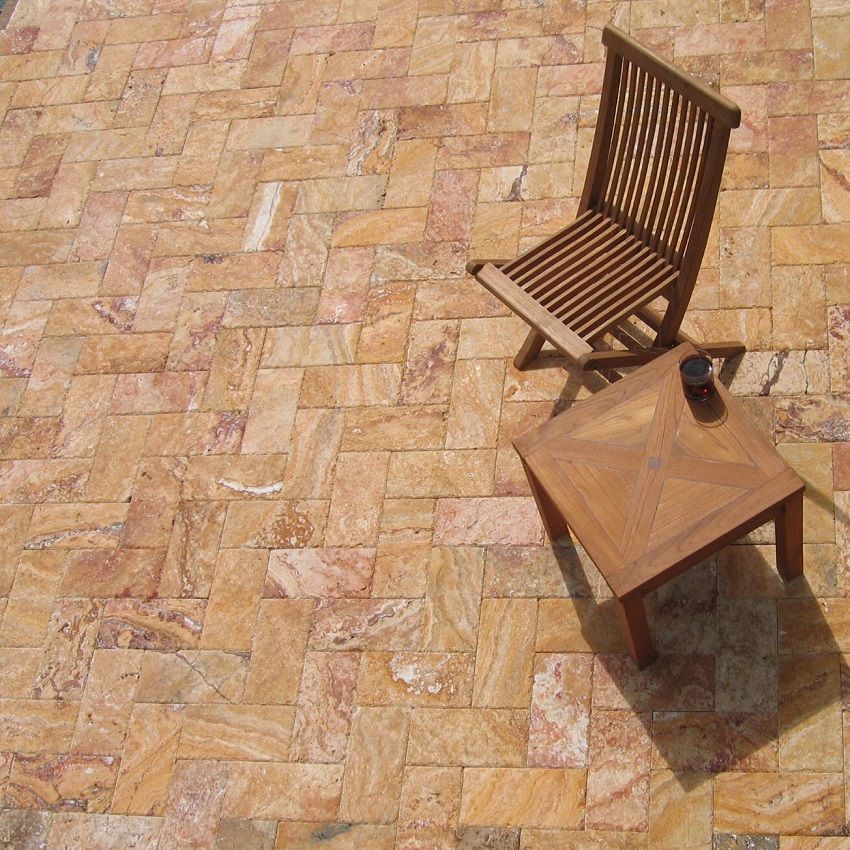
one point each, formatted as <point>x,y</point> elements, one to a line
<point>650,482</point>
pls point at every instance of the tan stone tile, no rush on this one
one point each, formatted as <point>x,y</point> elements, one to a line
<point>43,480</point>
<point>374,766</point>
<point>799,309</point>
<point>158,392</point>
<point>505,656</point>
<point>280,637</point>
<point>282,791</point>
<point>118,572</point>
<point>810,418</point>
<point>810,714</point>
<point>752,327</point>
<point>194,433</point>
<point>475,404</point>
<point>33,726</point>
<point>274,525</point>
<point>25,621</point>
<point>271,411</point>
<point>446,473</point>
<point>76,526</point>
<point>680,809</point>
<point>13,529</point>
<point>396,429</point>
<point>811,625</point>
<point>318,345</point>
<point>619,771</point>
<point>18,670</point>
<point>350,386</point>
<point>785,803</point>
<point>124,353</point>
<point>189,676</point>
<point>472,71</point>
<point>346,285</point>
<point>306,250</point>
<point>190,560</point>
<point>234,599</point>
<point>526,797</point>
<point>810,244</point>
<point>538,839</point>
<point>335,194</point>
<point>830,58</point>
<point>233,368</point>
<point>452,598</point>
<point>313,453</point>
<point>106,703</point>
<point>813,463</point>
<point>411,173</point>
<point>116,458</point>
<point>236,732</point>
<point>415,678</point>
<point>400,570</point>
<point>470,737</point>
<point>148,760</point>
<point>315,835</point>
<point>495,232</point>
<point>430,804</point>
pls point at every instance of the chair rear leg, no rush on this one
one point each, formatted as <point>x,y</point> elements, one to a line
<point>530,349</point>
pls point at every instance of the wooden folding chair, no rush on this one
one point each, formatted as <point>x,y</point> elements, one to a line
<point>642,223</point>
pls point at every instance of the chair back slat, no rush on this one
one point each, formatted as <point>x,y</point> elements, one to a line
<point>654,167</point>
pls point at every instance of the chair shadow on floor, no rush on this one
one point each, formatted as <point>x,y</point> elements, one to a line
<point>749,674</point>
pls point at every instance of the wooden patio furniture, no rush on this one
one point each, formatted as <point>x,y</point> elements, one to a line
<point>651,484</point>
<point>642,223</point>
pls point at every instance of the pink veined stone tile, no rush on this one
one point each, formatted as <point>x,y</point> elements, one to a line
<point>619,771</point>
<point>367,624</point>
<point>358,492</point>
<point>61,783</point>
<point>158,392</point>
<point>560,711</point>
<point>68,649</point>
<point>325,706</point>
<point>194,805</point>
<point>295,573</point>
<point>346,285</point>
<point>99,226</point>
<point>452,205</point>
<point>487,521</point>
<point>165,625</point>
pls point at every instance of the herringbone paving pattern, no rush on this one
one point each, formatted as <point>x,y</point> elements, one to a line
<point>271,575</point>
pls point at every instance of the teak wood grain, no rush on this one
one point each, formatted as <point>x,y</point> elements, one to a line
<point>643,220</point>
<point>651,483</point>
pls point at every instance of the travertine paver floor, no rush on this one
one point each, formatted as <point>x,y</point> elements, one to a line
<point>270,573</point>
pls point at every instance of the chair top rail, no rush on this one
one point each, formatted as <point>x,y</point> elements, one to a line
<point>704,96</point>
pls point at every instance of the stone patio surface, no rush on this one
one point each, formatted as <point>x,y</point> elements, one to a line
<point>271,575</point>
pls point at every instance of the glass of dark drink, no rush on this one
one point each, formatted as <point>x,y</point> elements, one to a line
<point>697,372</point>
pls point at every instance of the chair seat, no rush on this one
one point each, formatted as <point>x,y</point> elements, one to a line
<point>591,275</point>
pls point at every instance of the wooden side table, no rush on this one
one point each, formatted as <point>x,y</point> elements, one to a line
<point>652,484</point>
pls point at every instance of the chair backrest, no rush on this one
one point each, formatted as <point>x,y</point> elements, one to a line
<point>657,157</point>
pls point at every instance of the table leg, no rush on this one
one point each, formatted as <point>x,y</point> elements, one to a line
<point>553,522</point>
<point>635,627</point>
<point>789,537</point>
